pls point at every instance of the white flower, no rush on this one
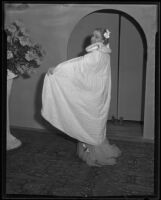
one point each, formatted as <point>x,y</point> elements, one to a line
<point>24,41</point>
<point>107,34</point>
<point>11,28</point>
<point>21,68</point>
<point>29,56</point>
<point>9,54</point>
<point>38,61</point>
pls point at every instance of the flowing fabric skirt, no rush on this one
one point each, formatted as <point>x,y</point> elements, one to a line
<point>76,100</point>
<point>103,154</point>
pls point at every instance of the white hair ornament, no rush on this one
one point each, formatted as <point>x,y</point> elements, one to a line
<point>107,34</point>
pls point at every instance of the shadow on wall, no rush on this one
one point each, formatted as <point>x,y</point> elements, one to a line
<point>86,43</point>
<point>38,103</point>
<point>38,117</point>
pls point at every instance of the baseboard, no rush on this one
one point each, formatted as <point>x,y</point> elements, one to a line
<point>110,136</point>
<point>36,130</point>
<point>130,138</point>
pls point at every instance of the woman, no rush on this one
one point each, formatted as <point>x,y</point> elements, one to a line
<point>76,99</point>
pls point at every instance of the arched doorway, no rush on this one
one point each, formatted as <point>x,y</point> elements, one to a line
<point>128,62</point>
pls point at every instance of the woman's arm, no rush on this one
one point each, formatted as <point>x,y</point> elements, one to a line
<point>94,46</point>
<point>90,58</point>
<point>67,64</point>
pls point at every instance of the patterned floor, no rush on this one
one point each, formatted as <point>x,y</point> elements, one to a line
<point>47,164</point>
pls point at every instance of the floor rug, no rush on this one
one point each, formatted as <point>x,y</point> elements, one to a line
<point>47,164</point>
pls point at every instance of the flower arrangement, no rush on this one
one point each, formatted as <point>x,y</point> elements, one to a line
<point>23,55</point>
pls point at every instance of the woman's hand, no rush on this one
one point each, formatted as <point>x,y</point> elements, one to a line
<point>50,71</point>
<point>94,46</point>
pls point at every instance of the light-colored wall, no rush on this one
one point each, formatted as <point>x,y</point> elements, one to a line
<point>51,25</point>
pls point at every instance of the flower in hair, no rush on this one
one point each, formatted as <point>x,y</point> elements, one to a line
<point>107,34</point>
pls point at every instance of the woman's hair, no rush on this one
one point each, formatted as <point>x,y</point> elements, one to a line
<point>103,31</point>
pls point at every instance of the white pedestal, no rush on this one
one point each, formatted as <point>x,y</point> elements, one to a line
<point>12,142</point>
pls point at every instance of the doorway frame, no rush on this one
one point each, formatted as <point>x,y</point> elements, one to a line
<point>147,103</point>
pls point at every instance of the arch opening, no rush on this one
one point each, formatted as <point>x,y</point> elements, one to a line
<point>79,45</point>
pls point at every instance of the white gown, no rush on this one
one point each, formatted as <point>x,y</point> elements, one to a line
<point>76,99</point>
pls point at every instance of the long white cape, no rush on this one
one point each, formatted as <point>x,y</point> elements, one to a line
<point>76,97</point>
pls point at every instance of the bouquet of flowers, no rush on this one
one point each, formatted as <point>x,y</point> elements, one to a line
<point>23,55</point>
